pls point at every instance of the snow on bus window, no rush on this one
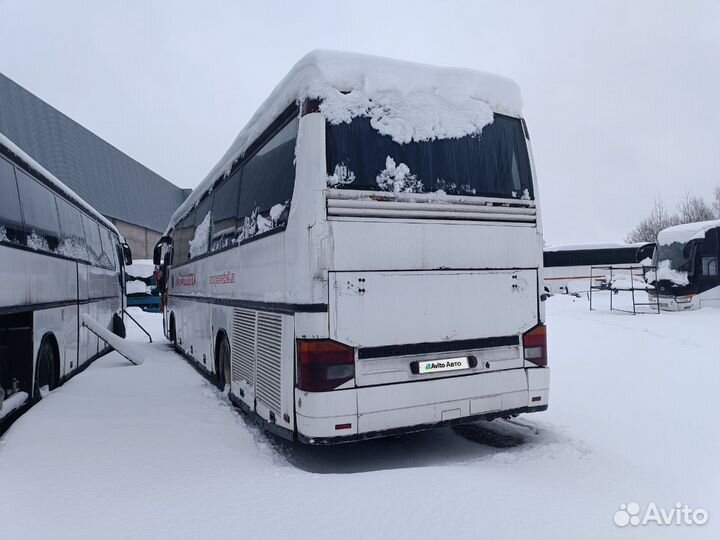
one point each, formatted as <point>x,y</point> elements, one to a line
<point>72,243</point>
<point>266,189</point>
<point>493,162</point>
<point>224,212</point>
<point>398,178</point>
<point>40,214</point>
<point>11,227</point>
<point>342,175</point>
<point>92,239</point>
<point>201,240</point>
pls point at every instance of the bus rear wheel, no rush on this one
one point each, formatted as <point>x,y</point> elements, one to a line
<point>223,362</point>
<point>45,370</point>
<point>173,334</point>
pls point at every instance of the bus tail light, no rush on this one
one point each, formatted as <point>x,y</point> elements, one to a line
<point>535,345</point>
<point>323,364</point>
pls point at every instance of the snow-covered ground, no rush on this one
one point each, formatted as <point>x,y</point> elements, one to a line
<point>155,451</point>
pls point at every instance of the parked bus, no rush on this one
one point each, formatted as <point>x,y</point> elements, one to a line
<point>59,259</point>
<point>568,267</point>
<point>687,260</point>
<point>355,271</point>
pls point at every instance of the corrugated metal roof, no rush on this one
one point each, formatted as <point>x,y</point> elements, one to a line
<point>111,181</point>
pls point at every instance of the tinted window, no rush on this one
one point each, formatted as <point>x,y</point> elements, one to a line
<point>186,232</point>
<point>590,257</point>
<point>92,238</point>
<point>72,243</point>
<point>176,238</point>
<point>11,229</point>
<point>554,258</point>
<point>223,212</point>
<point>494,163</point>
<point>200,236</point>
<point>40,213</point>
<point>108,247</point>
<point>267,184</point>
<point>709,266</point>
<point>645,252</point>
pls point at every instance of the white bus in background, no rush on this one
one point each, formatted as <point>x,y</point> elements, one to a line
<point>366,258</point>
<point>59,259</point>
<point>567,268</point>
<point>687,258</point>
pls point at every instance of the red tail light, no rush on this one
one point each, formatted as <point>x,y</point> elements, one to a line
<point>323,365</point>
<point>535,345</point>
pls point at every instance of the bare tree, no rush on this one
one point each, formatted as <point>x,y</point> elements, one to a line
<point>716,202</point>
<point>648,229</point>
<point>693,209</point>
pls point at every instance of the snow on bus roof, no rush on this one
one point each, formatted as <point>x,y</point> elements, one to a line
<point>686,232</point>
<point>405,100</point>
<point>598,245</point>
<point>57,184</point>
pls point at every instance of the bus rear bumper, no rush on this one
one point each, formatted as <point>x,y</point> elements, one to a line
<point>380,411</point>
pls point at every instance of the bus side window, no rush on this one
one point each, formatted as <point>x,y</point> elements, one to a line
<point>40,213</point>
<point>709,266</point>
<point>92,238</point>
<point>268,179</point>
<point>108,250</point>
<point>175,245</point>
<point>11,228</point>
<point>224,212</point>
<point>72,243</point>
<point>200,246</point>
<point>187,231</point>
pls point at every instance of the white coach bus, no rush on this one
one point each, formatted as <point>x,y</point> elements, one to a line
<point>59,259</point>
<point>567,268</point>
<point>366,258</point>
<point>688,270</point>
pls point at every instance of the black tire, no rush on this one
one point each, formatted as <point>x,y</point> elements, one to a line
<point>223,362</point>
<point>173,334</point>
<point>118,326</point>
<point>45,374</point>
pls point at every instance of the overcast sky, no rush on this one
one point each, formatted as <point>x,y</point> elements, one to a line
<point>621,98</point>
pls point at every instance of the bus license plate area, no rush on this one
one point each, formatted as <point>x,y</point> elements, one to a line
<point>444,364</point>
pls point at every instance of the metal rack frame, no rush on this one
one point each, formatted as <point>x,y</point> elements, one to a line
<point>608,287</point>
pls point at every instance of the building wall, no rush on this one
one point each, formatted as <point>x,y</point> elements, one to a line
<point>141,240</point>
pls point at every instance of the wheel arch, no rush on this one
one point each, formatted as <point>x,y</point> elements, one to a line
<point>219,335</point>
<point>52,339</point>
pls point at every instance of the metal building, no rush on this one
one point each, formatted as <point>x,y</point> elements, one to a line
<point>138,201</point>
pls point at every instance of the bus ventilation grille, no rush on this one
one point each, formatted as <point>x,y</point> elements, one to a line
<point>269,355</point>
<point>374,205</point>
<point>243,346</point>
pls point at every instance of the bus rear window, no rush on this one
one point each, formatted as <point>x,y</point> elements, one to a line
<point>494,163</point>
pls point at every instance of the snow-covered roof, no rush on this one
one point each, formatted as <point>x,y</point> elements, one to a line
<point>57,184</point>
<point>686,232</point>
<point>598,245</point>
<point>405,100</point>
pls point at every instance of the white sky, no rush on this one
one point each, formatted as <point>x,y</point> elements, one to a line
<point>619,96</point>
